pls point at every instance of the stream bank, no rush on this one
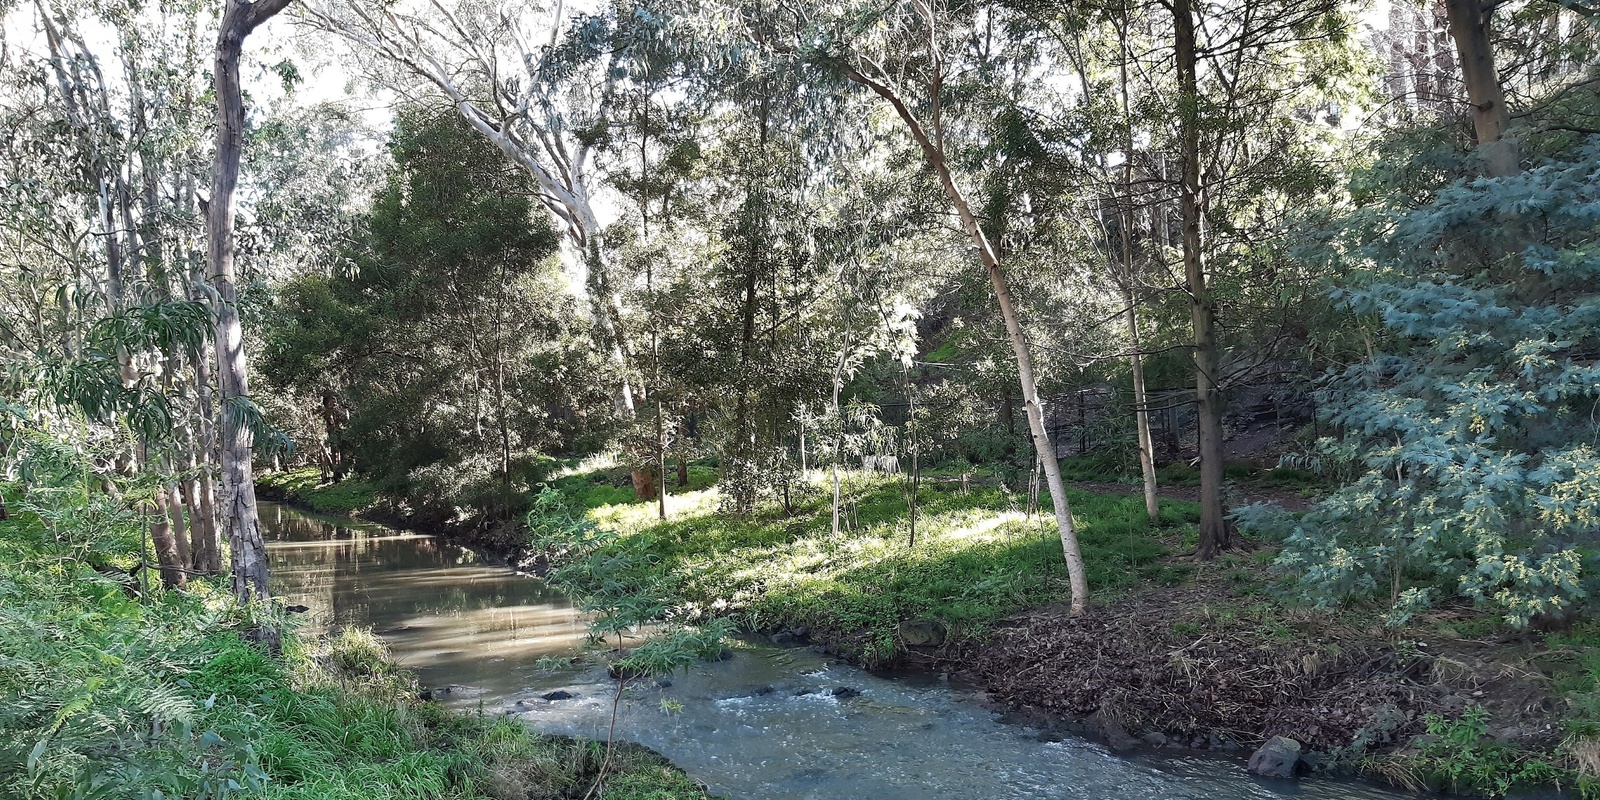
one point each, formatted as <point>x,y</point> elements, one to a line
<point>784,723</point>
<point>1175,656</point>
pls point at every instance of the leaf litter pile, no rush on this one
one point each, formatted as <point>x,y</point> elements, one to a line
<point>1170,663</point>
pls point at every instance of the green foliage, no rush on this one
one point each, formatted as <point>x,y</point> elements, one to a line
<point>304,485</point>
<point>448,352</point>
<point>105,694</point>
<point>977,559</point>
<point>1459,756</point>
<point>614,582</point>
<point>1474,429</point>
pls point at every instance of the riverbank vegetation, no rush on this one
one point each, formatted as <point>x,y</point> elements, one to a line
<point>112,687</point>
<point>1272,324</point>
<point>1175,653</point>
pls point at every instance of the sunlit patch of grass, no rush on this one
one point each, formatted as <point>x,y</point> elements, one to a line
<point>977,558</point>
<point>305,487</point>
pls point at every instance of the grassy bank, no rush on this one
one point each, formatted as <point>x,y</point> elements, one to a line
<point>1216,655</point>
<point>303,486</point>
<point>108,690</point>
<point>978,557</point>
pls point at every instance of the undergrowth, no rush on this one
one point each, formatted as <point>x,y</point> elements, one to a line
<point>304,486</point>
<point>1459,756</point>
<point>978,557</point>
<point>111,691</point>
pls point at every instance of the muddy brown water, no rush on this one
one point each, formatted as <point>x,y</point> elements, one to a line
<point>763,724</point>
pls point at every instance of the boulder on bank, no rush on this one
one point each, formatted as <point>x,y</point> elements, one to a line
<point>1278,758</point>
<point>922,632</point>
<point>791,636</point>
<point>1117,737</point>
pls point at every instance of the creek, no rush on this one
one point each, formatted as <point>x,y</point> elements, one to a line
<point>762,724</point>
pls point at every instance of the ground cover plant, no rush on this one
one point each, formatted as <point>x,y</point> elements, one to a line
<point>305,486</point>
<point>113,689</point>
<point>1455,700</point>
<point>978,557</point>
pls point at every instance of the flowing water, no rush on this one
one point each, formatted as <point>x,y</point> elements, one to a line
<point>762,724</point>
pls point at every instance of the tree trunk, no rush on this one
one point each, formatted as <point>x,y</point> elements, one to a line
<point>206,515</point>
<point>180,529</point>
<point>172,574</point>
<point>1213,524</point>
<point>743,429</point>
<point>189,490</point>
<point>245,543</point>
<point>838,446</point>
<point>1030,389</point>
<point>916,471</point>
<point>203,452</point>
<point>661,462</point>
<point>683,454</point>
<point>933,152</point>
<point>1141,404</point>
<point>1141,414</point>
<point>1469,26</point>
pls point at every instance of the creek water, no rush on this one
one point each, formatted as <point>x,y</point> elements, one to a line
<point>762,724</point>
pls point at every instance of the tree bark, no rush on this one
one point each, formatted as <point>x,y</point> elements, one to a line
<point>1469,26</point>
<point>167,558</point>
<point>206,546</point>
<point>1141,405</point>
<point>1141,415</point>
<point>838,444</point>
<point>1213,523</point>
<point>180,528</point>
<point>933,152</point>
<point>245,543</point>
<point>683,454</point>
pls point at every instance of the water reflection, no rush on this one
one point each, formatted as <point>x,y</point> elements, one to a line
<point>448,616</point>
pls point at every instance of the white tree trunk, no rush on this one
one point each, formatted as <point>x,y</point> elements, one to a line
<point>240,518</point>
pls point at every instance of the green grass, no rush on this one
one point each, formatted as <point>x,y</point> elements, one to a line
<point>977,559</point>
<point>304,486</point>
<point>613,485</point>
<point>105,692</point>
<point>1458,756</point>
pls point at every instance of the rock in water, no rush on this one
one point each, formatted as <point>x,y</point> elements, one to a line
<point>1117,737</point>
<point>557,695</point>
<point>620,671</point>
<point>1278,758</point>
<point>922,632</point>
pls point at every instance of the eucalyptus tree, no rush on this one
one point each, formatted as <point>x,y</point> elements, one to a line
<point>103,124</point>
<point>1250,81</point>
<point>1204,124</point>
<point>507,70</point>
<point>912,57</point>
<point>1566,27</point>
<point>247,549</point>
<point>446,338</point>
